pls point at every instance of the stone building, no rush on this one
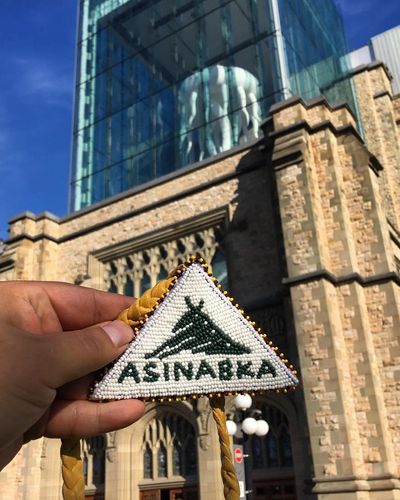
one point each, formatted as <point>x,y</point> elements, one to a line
<point>305,222</point>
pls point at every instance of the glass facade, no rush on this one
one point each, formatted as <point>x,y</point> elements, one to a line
<point>316,49</point>
<point>162,84</point>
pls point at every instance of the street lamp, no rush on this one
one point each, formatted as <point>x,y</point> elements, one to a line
<point>244,423</point>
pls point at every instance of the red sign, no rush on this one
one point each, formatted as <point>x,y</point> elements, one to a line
<point>238,454</point>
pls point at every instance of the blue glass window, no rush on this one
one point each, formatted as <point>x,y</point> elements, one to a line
<point>164,84</point>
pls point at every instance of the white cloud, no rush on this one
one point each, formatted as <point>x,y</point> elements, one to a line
<point>38,77</point>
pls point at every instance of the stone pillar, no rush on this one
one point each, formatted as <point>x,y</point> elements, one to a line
<point>378,114</point>
<point>33,244</point>
<point>339,255</point>
<point>209,463</point>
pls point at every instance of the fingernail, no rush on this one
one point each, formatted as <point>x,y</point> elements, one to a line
<point>119,332</point>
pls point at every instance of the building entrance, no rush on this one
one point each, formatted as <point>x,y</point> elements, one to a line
<point>170,494</point>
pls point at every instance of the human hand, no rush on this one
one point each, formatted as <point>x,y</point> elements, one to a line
<point>49,350</point>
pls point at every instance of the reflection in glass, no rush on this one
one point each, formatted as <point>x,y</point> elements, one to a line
<point>177,459</point>
<point>162,461</point>
<point>163,84</point>
<point>147,463</point>
<point>220,269</point>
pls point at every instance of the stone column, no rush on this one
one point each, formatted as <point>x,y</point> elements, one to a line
<point>338,251</point>
<point>209,463</point>
<point>375,99</point>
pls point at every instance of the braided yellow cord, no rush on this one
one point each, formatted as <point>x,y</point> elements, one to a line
<point>72,470</point>
<point>146,303</point>
<point>228,472</point>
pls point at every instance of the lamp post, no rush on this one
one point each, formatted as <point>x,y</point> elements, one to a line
<point>245,422</point>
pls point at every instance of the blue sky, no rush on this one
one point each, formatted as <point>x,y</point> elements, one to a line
<point>37,51</point>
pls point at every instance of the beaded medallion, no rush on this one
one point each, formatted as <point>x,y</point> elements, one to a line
<point>196,342</point>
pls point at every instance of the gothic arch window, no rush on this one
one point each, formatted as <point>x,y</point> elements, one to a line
<point>274,450</point>
<point>177,465</point>
<point>163,274</point>
<point>169,449</point>
<point>145,283</point>
<point>94,462</point>
<point>136,271</point>
<point>190,456</point>
<point>148,463</point>
<point>271,456</point>
<point>128,287</point>
<point>162,460</point>
<point>112,287</point>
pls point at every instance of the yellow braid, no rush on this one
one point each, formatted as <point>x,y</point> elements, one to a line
<point>146,303</point>
<point>73,488</point>
<point>228,472</point>
<point>72,470</point>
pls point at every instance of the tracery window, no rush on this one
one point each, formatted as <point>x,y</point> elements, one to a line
<point>162,461</point>
<point>135,272</point>
<point>148,463</point>
<point>94,450</point>
<point>169,448</point>
<point>275,449</point>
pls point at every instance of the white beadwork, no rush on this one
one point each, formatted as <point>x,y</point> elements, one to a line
<point>198,286</point>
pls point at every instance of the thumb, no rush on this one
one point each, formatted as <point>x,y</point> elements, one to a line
<point>72,355</point>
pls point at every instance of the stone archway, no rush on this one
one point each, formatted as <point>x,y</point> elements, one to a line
<point>169,458</point>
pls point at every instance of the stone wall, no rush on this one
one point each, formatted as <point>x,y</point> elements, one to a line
<point>380,126</point>
<point>345,295</point>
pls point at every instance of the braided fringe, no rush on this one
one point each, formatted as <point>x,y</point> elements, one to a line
<point>72,470</point>
<point>228,472</point>
<point>146,303</point>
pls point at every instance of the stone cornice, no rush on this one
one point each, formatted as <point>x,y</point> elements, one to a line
<point>244,167</point>
<point>308,104</point>
<point>294,151</point>
<point>324,274</point>
<point>167,233</point>
<point>371,67</point>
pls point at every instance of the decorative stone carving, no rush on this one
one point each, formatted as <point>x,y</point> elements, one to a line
<point>204,441</point>
<point>204,410</point>
<point>126,274</point>
<point>111,454</point>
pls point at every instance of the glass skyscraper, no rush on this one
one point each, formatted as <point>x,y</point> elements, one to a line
<point>162,84</point>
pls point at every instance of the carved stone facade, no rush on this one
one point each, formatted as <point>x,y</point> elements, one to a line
<point>307,221</point>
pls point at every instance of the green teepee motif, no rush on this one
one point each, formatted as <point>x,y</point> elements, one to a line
<point>196,331</point>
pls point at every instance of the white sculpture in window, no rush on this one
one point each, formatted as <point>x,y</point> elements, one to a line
<point>205,99</point>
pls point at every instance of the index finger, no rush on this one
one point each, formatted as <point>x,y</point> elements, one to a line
<point>80,307</point>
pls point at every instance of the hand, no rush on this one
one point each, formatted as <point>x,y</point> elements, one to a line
<point>48,351</point>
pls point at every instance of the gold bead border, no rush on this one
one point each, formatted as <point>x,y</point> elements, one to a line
<point>197,259</point>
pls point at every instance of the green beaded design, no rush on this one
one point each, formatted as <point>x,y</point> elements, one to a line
<point>197,332</point>
<point>197,341</point>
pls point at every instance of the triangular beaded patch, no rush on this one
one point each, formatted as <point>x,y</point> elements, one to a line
<point>196,342</point>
